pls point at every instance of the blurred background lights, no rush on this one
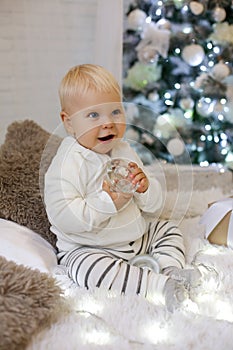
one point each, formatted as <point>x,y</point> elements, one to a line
<point>208,127</point>
<point>193,61</point>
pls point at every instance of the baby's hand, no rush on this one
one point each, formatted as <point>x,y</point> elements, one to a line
<point>119,199</point>
<point>138,177</point>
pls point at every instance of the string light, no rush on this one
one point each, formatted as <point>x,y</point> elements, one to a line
<point>96,337</point>
<point>216,50</point>
<point>205,163</point>
<point>208,127</point>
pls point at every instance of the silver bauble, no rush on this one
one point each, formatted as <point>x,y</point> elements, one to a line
<point>136,19</point>
<point>220,71</point>
<point>196,7</point>
<point>193,54</point>
<point>219,14</point>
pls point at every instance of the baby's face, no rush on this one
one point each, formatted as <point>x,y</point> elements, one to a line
<point>97,121</point>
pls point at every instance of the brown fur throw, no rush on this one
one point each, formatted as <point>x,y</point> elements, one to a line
<point>29,302</point>
<point>20,159</point>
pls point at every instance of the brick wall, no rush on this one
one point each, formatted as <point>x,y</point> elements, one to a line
<point>39,41</point>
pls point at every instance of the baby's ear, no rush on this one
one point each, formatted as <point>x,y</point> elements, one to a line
<point>67,122</point>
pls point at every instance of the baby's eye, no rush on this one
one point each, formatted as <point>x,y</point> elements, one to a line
<point>93,115</point>
<point>116,112</point>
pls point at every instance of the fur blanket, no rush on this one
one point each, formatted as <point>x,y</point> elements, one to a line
<point>29,302</point>
<point>100,319</point>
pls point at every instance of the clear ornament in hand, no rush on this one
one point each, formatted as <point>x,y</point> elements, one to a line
<point>118,176</point>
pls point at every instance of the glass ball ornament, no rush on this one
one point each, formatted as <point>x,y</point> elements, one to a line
<point>193,54</point>
<point>220,71</point>
<point>196,7</point>
<point>219,14</point>
<point>118,173</point>
<point>136,19</point>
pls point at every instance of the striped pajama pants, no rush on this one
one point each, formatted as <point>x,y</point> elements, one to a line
<point>92,267</point>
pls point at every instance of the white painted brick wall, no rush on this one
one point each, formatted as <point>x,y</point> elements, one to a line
<point>39,42</point>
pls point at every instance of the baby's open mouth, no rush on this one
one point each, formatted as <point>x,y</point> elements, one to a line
<point>106,138</point>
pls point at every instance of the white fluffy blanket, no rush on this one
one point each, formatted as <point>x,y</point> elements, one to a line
<point>102,320</point>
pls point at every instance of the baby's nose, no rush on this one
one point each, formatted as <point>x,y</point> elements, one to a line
<point>107,120</point>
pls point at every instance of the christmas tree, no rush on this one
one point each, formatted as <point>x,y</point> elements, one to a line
<point>178,73</point>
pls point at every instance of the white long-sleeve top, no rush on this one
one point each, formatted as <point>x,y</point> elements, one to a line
<point>80,212</point>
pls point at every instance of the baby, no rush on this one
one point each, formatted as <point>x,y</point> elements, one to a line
<point>103,235</point>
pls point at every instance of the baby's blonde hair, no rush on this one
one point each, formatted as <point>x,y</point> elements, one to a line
<point>80,79</point>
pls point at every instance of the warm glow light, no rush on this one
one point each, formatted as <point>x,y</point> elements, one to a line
<point>89,305</point>
<point>211,250</point>
<point>190,306</point>
<point>205,298</point>
<point>224,310</point>
<point>155,333</point>
<point>97,337</point>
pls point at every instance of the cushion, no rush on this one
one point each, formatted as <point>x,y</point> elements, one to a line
<point>29,301</point>
<point>24,246</point>
<point>20,173</point>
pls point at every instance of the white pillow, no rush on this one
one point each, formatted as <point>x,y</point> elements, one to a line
<point>24,246</point>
